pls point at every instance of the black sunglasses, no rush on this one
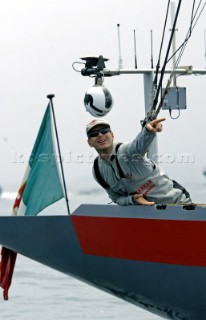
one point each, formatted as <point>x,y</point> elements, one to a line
<point>95,133</point>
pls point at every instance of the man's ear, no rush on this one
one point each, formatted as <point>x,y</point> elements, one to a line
<point>89,143</point>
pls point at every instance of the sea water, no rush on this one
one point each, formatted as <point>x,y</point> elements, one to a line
<point>38,292</point>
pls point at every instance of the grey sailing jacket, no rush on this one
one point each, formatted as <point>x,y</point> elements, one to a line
<point>141,174</point>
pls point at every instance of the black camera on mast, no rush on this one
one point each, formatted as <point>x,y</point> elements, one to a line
<point>94,66</point>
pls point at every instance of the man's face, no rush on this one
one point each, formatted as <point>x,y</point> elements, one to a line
<point>102,141</point>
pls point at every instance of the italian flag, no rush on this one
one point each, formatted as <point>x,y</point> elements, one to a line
<point>41,186</point>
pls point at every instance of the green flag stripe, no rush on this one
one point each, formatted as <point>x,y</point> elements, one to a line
<point>43,186</point>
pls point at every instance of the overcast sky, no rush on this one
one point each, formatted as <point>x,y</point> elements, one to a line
<point>40,39</point>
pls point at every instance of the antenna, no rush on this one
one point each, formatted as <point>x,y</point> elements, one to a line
<point>205,43</point>
<point>120,56</point>
<point>135,51</point>
<point>151,37</point>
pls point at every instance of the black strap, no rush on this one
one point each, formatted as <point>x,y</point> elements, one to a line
<point>176,185</point>
<point>98,175</point>
<point>121,173</point>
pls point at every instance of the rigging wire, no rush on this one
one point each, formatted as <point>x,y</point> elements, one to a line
<point>165,61</point>
<point>189,32</point>
<point>154,84</point>
<point>182,47</point>
<point>161,45</point>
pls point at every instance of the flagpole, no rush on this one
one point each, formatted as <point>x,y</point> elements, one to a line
<point>50,97</point>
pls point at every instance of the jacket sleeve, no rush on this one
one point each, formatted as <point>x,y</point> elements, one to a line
<point>115,197</point>
<point>120,200</point>
<point>140,145</point>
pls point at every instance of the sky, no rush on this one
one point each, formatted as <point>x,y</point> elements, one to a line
<point>40,40</point>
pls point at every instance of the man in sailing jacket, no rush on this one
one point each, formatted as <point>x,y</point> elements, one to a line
<point>124,170</point>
